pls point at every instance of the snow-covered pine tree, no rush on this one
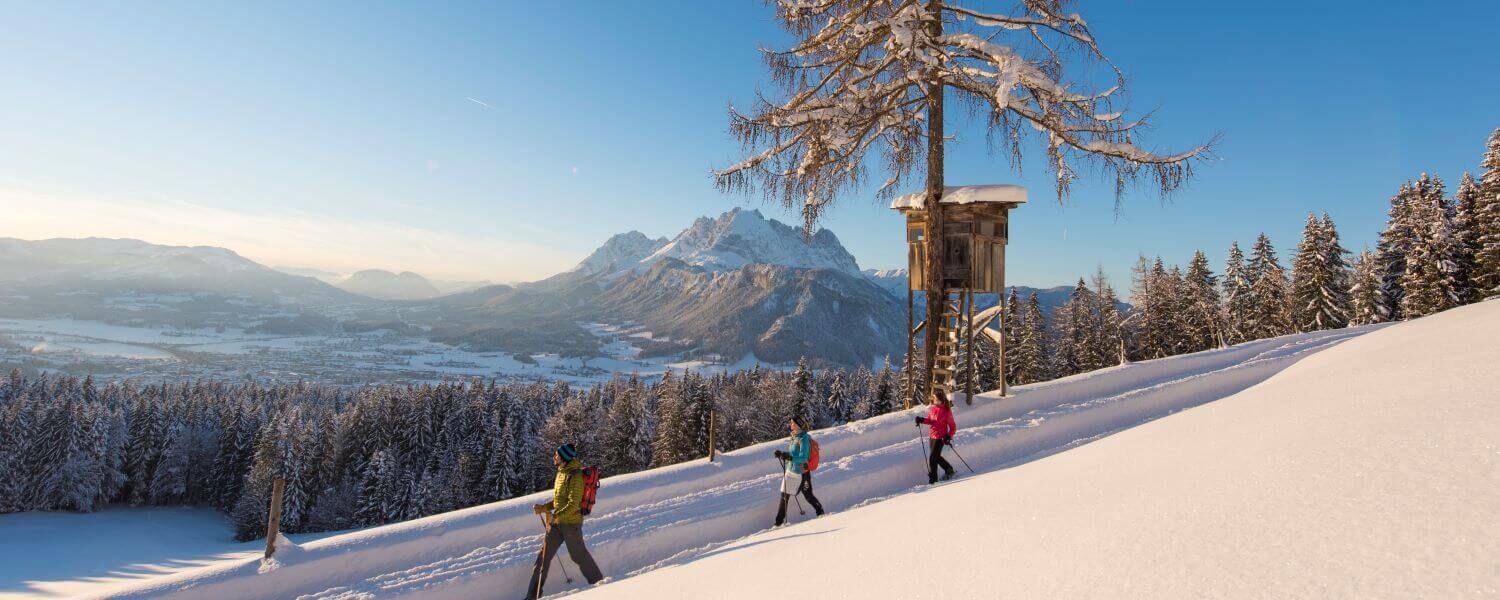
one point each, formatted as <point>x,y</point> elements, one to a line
<point>1487,254</point>
<point>1236,294</point>
<point>1031,344</point>
<point>1366,304</point>
<point>874,73</point>
<point>1270,298</point>
<point>1337,264</point>
<point>1395,242</point>
<point>800,396</point>
<point>1429,282</point>
<point>1320,293</point>
<point>1074,326</point>
<point>1011,330</point>
<point>1110,337</point>
<point>1468,229</point>
<point>627,434</point>
<point>839,408</point>
<point>1201,315</point>
<point>672,431</point>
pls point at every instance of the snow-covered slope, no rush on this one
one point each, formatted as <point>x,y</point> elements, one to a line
<point>1370,470</point>
<point>648,518</point>
<point>743,237</point>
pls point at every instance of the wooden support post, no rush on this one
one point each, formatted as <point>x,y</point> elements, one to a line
<point>969,376</point>
<point>911,345</point>
<point>1000,359</point>
<point>273,524</point>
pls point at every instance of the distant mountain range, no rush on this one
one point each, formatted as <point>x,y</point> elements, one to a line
<point>385,285</point>
<point>735,286</point>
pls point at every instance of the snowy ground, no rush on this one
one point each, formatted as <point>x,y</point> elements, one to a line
<point>664,517</point>
<point>62,555</point>
<point>1369,470</point>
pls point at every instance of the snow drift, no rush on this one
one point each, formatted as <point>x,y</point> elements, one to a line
<point>644,519</point>
<point>1369,470</point>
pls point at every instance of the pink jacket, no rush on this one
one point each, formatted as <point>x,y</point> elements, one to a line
<point>940,422</point>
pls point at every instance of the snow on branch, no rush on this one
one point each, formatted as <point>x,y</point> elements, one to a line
<point>855,87</point>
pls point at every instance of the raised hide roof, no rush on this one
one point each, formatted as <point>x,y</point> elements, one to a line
<point>1001,193</point>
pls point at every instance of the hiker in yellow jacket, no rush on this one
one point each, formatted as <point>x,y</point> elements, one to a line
<point>564,522</point>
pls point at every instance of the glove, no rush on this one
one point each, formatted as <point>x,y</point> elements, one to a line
<point>920,420</point>
<point>948,440</point>
<point>538,508</point>
<point>780,455</point>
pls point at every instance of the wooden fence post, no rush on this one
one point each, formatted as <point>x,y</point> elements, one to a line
<point>274,523</point>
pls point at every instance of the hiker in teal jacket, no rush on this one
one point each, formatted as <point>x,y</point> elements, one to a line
<point>795,458</point>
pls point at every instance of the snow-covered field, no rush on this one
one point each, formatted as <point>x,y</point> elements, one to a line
<point>686,513</point>
<point>66,555</point>
<point>117,351</point>
<point>1371,470</point>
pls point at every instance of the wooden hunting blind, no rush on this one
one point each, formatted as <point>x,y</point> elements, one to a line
<point>976,226</point>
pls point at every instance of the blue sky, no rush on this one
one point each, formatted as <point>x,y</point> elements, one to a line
<point>504,141</point>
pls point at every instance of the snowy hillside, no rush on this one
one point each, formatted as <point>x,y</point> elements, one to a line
<point>677,514</point>
<point>1368,470</point>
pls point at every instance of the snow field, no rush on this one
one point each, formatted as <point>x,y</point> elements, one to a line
<point>645,519</point>
<point>1370,470</point>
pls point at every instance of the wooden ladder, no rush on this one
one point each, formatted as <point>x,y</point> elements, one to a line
<point>949,328</point>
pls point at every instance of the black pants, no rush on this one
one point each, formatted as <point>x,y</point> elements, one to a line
<point>935,460</point>
<point>806,490</point>
<point>560,534</point>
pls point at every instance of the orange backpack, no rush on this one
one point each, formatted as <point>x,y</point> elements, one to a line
<point>812,456</point>
<point>590,490</point>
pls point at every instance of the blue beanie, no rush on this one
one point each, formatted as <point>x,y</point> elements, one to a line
<point>566,452</point>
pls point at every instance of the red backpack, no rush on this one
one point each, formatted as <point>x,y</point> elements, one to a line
<point>590,490</point>
<point>812,455</point>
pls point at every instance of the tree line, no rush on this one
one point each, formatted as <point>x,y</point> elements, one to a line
<point>381,454</point>
<point>1437,251</point>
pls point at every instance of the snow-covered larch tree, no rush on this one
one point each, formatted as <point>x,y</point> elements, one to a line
<point>873,75</point>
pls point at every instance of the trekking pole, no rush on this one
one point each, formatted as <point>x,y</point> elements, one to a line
<point>547,530</point>
<point>920,444</point>
<point>784,472</point>
<point>960,456</point>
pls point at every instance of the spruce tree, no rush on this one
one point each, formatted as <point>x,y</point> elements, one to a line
<point>1236,293</point>
<point>1468,229</point>
<point>1320,293</point>
<point>1031,344</point>
<point>1365,301</point>
<point>1394,245</point>
<point>1486,278</point>
<point>1270,298</point>
<point>1202,314</point>
<point>1429,283</point>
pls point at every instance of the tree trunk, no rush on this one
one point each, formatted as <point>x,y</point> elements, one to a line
<point>934,221</point>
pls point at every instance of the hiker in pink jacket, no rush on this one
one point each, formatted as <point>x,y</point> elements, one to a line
<point>940,427</point>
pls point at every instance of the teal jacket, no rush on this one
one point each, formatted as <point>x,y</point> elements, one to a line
<point>799,451</point>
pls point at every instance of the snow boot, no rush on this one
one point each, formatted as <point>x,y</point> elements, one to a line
<point>948,475</point>
<point>781,512</point>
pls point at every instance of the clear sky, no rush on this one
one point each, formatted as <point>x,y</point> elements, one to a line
<point>505,140</point>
